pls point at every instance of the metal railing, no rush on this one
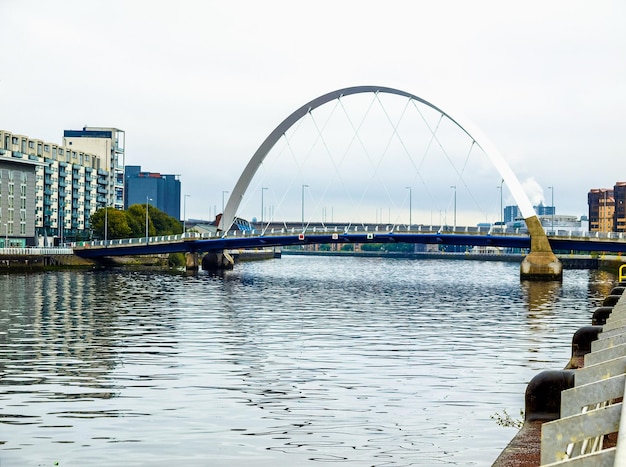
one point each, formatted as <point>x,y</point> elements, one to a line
<point>336,229</point>
<point>36,251</point>
<point>593,408</point>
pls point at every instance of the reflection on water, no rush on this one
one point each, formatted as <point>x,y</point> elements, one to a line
<point>292,361</point>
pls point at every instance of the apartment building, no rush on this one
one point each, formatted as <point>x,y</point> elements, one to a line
<point>601,202</point>
<point>109,145</point>
<point>607,208</point>
<point>61,186</point>
<point>17,198</point>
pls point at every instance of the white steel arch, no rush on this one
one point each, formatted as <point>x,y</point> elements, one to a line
<point>515,187</point>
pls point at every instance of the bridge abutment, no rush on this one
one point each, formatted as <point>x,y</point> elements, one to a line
<point>192,262</point>
<point>541,263</point>
<point>217,260</point>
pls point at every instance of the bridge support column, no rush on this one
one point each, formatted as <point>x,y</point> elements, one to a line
<point>191,261</point>
<point>217,260</point>
<point>541,263</point>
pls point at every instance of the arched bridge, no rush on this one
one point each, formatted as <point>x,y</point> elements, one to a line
<point>540,263</point>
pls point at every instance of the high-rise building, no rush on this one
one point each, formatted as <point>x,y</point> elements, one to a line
<point>161,191</point>
<point>601,204</point>
<point>619,213</point>
<point>109,145</point>
<point>511,213</point>
<point>542,210</point>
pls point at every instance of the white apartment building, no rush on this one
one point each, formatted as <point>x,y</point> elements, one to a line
<point>109,145</point>
<point>68,185</point>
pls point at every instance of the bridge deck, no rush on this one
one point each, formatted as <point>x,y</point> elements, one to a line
<point>443,235</point>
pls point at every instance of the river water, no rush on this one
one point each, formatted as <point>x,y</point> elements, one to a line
<point>297,361</point>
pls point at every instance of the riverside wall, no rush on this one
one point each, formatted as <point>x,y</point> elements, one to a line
<point>543,393</point>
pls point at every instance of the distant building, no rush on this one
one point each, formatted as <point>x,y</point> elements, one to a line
<point>513,213</point>
<point>607,208</point>
<point>17,199</point>
<point>109,145</point>
<point>601,210</point>
<point>550,221</point>
<point>161,191</point>
<point>58,187</point>
<point>542,210</point>
<point>619,212</point>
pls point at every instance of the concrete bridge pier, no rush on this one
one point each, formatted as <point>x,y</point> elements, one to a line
<point>215,260</point>
<point>192,262</point>
<point>541,263</point>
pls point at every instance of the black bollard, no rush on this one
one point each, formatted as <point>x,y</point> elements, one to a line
<point>611,300</point>
<point>543,394</point>
<point>582,339</point>
<point>601,314</point>
<point>619,290</point>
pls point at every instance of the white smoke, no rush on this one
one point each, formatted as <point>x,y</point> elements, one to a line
<point>534,191</point>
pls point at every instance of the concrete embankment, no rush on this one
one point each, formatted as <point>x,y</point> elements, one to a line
<point>41,262</point>
<point>570,261</point>
<point>543,397</point>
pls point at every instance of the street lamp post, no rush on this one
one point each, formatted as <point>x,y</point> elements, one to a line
<point>185,213</point>
<point>262,207</point>
<point>551,188</point>
<point>501,207</point>
<point>410,206</point>
<point>454,188</point>
<point>147,199</point>
<point>106,223</point>
<point>302,210</point>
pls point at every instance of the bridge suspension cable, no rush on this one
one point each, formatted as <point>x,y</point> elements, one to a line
<point>339,175</point>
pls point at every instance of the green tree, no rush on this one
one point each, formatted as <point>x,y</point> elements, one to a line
<point>132,223</point>
<point>136,215</point>
<point>116,221</point>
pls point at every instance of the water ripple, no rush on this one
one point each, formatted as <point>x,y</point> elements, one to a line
<point>294,361</point>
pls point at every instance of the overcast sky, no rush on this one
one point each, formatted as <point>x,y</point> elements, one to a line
<point>198,85</point>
